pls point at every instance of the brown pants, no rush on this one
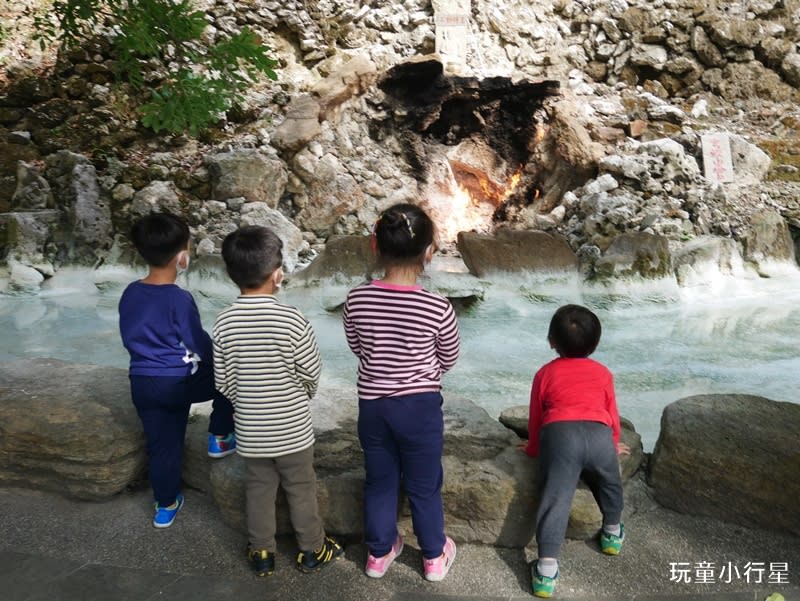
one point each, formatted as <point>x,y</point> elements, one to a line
<point>295,474</point>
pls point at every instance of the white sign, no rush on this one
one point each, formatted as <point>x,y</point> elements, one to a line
<point>451,18</point>
<point>717,163</point>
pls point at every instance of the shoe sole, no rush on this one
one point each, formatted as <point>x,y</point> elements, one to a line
<point>167,525</point>
<point>373,574</point>
<point>611,551</point>
<point>222,454</point>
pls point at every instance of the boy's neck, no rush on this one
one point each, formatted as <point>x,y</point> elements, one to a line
<point>160,276</point>
<point>267,288</point>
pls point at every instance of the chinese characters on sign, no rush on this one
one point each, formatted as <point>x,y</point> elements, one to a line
<point>708,572</point>
<point>451,18</point>
<point>717,163</point>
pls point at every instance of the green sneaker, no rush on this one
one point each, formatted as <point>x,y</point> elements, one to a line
<point>542,585</point>
<point>610,543</point>
<point>312,561</point>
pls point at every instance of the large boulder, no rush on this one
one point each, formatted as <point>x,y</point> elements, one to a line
<point>734,457</point>
<point>490,487</point>
<point>346,258</point>
<point>515,251</point>
<point>259,213</point>
<point>703,255</point>
<point>157,197</point>
<point>300,126</point>
<point>69,428</point>
<point>249,174</point>
<point>750,163</point>
<point>635,254</point>
<point>768,238</point>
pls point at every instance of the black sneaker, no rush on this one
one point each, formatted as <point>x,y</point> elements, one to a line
<point>263,561</point>
<point>312,561</point>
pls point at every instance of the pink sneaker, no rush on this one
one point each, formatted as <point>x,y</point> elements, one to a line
<point>377,566</point>
<point>436,569</point>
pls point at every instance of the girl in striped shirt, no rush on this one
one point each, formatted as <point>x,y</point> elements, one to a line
<point>405,338</point>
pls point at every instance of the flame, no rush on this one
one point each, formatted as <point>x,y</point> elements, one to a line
<point>462,207</point>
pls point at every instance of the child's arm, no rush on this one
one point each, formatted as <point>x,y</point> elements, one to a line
<point>611,407</point>
<point>190,329</point>
<point>448,341</point>
<point>221,382</point>
<point>535,416</point>
<point>350,331</point>
<point>307,360</point>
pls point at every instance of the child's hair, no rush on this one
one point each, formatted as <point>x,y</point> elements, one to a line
<point>159,237</point>
<point>574,331</point>
<point>251,254</point>
<point>402,234</point>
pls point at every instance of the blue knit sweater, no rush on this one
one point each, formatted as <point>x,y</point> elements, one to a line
<point>161,329</point>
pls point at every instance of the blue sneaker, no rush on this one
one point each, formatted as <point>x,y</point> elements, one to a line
<point>166,515</point>
<point>221,446</point>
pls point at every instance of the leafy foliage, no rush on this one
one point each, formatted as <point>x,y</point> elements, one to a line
<point>200,82</point>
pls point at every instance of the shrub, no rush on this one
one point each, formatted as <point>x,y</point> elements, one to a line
<point>195,83</point>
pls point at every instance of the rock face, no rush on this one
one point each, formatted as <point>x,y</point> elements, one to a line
<point>733,457</point>
<point>88,213</point>
<point>490,488</point>
<point>69,428</point>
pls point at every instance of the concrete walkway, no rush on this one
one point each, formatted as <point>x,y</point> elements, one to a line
<point>57,549</point>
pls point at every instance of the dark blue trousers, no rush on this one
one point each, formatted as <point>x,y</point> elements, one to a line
<point>402,438</point>
<point>163,404</point>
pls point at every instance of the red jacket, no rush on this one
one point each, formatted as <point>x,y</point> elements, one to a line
<point>571,390</point>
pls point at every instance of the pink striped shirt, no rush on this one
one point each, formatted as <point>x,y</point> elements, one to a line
<point>404,337</point>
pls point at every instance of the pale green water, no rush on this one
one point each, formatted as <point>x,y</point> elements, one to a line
<point>662,343</point>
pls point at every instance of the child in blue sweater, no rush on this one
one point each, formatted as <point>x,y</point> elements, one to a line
<point>171,360</point>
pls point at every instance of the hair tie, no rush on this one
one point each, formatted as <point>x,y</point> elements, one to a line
<point>408,225</point>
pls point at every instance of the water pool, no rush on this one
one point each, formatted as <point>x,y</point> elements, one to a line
<point>732,335</point>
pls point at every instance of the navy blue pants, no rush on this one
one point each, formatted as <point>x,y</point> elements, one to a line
<point>163,404</point>
<point>402,438</point>
<point>569,451</point>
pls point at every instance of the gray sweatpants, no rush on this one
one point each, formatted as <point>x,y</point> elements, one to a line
<point>567,451</point>
<point>295,474</point>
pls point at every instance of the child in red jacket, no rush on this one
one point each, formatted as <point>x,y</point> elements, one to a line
<point>574,430</point>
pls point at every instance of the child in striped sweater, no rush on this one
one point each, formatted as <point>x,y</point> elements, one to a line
<point>266,361</point>
<point>405,338</point>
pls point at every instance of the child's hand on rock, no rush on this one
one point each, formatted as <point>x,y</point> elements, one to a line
<point>623,449</point>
